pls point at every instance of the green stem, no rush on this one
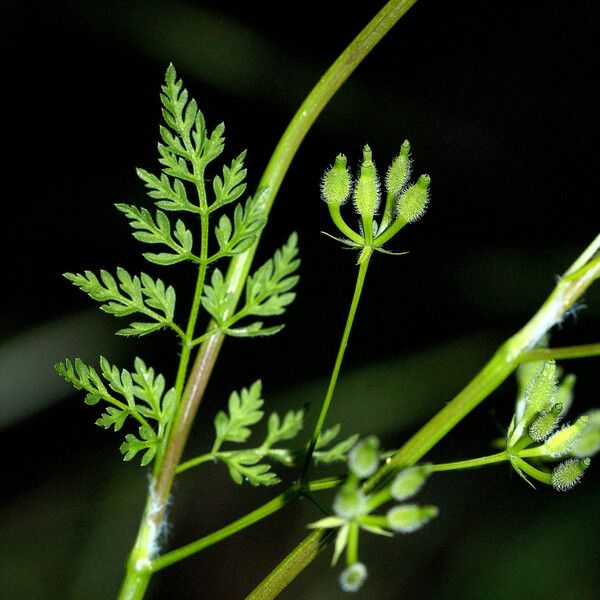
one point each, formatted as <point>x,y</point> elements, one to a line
<point>352,545</point>
<point>336,216</point>
<point>566,352</point>
<point>194,462</point>
<point>567,291</point>
<point>360,280</point>
<point>471,463</point>
<point>541,476</point>
<point>256,515</point>
<point>391,231</point>
<point>194,311</point>
<point>283,499</point>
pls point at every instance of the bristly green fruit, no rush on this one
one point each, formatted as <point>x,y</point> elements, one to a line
<point>407,518</point>
<point>409,482</point>
<point>366,191</point>
<point>413,202</point>
<point>569,473</point>
<point>399,171</point>
<point>350,503</point>
<point>564,440</point>
<point>541,391</point>
<point>545,423</point>
<point>353,577</point>
<point>363,459</point>
<point>588,442</point>
<point>336,183</point>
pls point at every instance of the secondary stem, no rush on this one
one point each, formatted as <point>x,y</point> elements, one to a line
<point>360,280</point>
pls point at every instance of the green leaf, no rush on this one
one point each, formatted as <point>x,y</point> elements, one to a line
<point>186,148</point>
<point>128,295</point>
<point>244,410</point>
<point>327,436</point>
<point>337,453</point>
<point>289,428</point>
<point>216,299</point>
<point>247,225</point>
<point>148,443</point>
<point>113,417</point>
<point>268,289</point>
<point>169,194</point>
<point>144,399</point>
<point>158,230</point>
<point>267,293</point>
<point>255,329</point>
<point>231,186</point>
<point>243,467</point>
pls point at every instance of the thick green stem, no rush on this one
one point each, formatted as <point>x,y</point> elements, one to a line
<point>582,273</point>
<point>360,280</point>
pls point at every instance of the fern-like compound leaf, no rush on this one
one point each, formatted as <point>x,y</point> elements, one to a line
<point>248,222</point>
<point>139,395</point>
<point>336,453</point>
<point>216,299</point>
<point>126,295</point>
<point>231,185</point>
<point>243,410</point>
<point>158,230</point>
<point>268,289</point>
<point>169,194</point>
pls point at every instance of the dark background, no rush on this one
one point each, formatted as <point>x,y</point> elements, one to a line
<point>499,101</point>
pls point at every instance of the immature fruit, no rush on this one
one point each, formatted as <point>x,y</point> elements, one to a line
<point>568,474</point>
<point>366,192</point>
<point>413,202</point>
<point>399,171</point>
<point>336,183</point>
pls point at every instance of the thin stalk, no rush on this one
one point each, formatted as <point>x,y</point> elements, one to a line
<point>584,271</point>
<point>336,216</point>
<point>194,311</point>
<point>566,352</point>
<point>194,462</point>
<point>471,463</point>
<point>352,545</point>
<point>542,476</point>
<point>360,280</point>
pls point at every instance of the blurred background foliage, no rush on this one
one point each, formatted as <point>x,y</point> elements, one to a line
<point>500,104</point>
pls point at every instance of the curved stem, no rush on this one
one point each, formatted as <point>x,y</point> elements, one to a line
<point>541,476</point>
<point>336,216</point>
<point>360,280</point>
